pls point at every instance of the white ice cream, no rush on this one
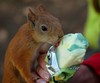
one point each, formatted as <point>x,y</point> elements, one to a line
<point>71,50</point>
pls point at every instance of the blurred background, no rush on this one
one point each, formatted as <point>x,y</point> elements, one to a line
<point>72,14</point>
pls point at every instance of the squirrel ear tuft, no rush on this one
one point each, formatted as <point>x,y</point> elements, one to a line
<point>31,15</point>
<point>41,8</point>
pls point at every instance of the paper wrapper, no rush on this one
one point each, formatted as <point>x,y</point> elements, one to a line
<point>64,60</point>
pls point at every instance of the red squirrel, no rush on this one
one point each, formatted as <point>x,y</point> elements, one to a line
<point>41,27</point>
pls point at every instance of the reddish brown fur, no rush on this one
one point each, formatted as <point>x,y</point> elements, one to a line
<point>23,47</point>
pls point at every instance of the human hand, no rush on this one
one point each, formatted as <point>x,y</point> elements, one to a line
<point>41,75</point>
<point>84,75</point>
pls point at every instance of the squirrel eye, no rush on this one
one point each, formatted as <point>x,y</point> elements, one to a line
<point>44,28</point>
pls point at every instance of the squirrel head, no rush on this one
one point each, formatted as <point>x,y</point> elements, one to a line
<point>45,27</point>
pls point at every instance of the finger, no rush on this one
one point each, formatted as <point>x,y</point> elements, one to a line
<point>43,74</point>
<point>42,56</point>
<point>40,81</point>
<point>42,62</point>
<point>37,79</point>
<point>35,76</point>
